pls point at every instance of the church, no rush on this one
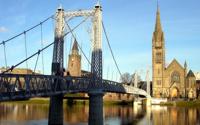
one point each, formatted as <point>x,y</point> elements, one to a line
<point>174,80</point>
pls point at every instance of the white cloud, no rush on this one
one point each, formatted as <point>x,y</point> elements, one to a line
<point>3,29</point>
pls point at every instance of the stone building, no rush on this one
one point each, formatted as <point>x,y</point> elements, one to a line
<point>74,62</point>
<point>74,69</point>
<point>198,88</point>
<point>19,71</point>
<point>173,81</point>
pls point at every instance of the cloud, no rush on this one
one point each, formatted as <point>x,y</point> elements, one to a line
<point>3,29</point>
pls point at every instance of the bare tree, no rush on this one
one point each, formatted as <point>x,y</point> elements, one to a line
<point>126,78</point>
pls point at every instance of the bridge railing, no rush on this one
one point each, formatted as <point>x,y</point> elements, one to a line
<point>115,87</point>
<point>20,86</point>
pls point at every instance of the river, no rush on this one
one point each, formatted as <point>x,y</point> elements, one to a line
<point>37,114</point>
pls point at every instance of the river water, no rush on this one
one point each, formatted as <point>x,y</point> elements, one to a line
<point>37,114</point>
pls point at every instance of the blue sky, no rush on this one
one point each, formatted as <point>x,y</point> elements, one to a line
<point>129,24</point>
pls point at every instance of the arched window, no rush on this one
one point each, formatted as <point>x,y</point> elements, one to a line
<point>175,77</point>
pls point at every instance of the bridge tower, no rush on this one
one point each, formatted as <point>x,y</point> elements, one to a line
<point>56,102</point>
<point>95,92</point>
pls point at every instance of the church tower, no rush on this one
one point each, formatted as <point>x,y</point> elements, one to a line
<point>158,58</point>
<point>74,62</point>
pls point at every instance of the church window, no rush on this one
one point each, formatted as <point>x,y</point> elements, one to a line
<point>175,77</point>
<point>158,57</point>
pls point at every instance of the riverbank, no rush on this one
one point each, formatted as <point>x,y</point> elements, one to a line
<point>68,101</point>
<point>195,103</point>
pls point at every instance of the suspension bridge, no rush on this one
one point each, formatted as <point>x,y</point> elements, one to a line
<point>21,86</point>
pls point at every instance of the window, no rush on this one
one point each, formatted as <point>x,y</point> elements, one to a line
<point>175,77</point>
<point>158,57</point>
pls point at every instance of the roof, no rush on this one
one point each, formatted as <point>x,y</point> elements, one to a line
<point>190,74</point>
<point>75,45</point>
<point>174,61</point>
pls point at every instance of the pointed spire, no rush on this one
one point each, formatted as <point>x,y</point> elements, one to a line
<point>158,26</point>
<point>75,47</point>
<point>185,65</point>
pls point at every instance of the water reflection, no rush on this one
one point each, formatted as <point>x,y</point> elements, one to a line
<point>175,115</point>
<point>36,114</point>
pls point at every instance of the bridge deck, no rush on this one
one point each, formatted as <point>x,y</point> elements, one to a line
<point>19,86</point>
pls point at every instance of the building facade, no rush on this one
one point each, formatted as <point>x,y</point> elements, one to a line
<point>173,81</point>
<point>74,62</point>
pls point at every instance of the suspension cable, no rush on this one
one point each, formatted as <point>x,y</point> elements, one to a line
<point>111,49</point>
<point>14,66</point>
<point>26,30</point>
<point>77,41</point>
<point>70,48</point>
<point>26,54</point>
<point>41,29</point>
<point>71,30</point>
<point>36,61</point>
<point>4,47</point>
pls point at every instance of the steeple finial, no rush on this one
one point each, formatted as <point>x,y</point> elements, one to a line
<point>157,6</point>
<point>158,26</point>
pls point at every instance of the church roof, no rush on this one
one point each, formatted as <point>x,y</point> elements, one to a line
<point>175,62</point>
<point>190,74</point>
<point>75,45</point>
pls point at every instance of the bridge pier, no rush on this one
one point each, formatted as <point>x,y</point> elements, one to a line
<point>146,102</point>
<point>96,108</point>
<point>56,110</point>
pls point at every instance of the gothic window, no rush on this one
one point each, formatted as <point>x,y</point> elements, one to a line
<point>175,77</point>
<point>158,57</point>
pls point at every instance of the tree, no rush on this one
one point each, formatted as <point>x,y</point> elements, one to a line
<point>126,78</point>
<point>133,76</point>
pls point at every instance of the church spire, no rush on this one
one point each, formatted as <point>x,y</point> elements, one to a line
<point>185,65</point>
<point>158,26</point>
<point>75,48</point>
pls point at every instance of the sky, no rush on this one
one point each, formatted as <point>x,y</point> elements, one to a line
<point>129,25</point>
